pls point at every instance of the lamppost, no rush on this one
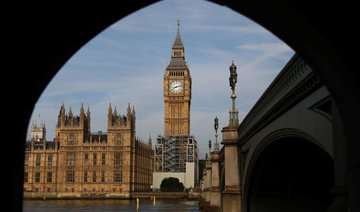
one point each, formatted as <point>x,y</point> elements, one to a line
<point>234,113</point>
<point>209,148</point>
<point>216,125</point>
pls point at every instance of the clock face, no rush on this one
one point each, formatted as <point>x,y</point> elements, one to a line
<point>176,86</point>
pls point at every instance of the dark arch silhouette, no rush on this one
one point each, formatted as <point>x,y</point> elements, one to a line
<point>39,39</point>
<point>291,174</point>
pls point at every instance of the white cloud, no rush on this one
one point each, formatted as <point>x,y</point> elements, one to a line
<point>269,49</point>
<point>238,30</point>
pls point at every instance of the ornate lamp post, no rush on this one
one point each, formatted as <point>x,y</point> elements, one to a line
<point>209,148</point>
<point>234,113</point>
<point>216,125</point>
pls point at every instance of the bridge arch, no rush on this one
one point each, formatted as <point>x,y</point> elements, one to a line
<point>288,168</point>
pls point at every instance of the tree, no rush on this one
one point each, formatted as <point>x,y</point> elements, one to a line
<point>171,184</point>
<point>201,168</point>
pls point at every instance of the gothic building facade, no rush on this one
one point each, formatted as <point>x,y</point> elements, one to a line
<point>80,163</point>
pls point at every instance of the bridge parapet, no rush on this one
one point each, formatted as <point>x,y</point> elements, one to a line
<point>295,71</point>
<point>215,180</point>
<point>296,109</point>
<point>232,189</point>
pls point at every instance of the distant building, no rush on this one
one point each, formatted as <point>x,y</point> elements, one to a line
<point>176,151</point>
<point>80,163</point>
<point>38,133</point>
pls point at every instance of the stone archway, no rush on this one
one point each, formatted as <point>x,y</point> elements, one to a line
<point>46,47</point>
<point>291,174</point>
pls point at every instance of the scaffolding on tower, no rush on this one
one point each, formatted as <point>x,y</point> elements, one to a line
<point>172,153</point>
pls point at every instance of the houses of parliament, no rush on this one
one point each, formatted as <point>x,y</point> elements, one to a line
<point>79,163</point>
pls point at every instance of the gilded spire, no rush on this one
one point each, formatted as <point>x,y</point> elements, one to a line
<point>115,112</point>
<point>110,115</point>
<point>178,22</point>
<point>62,110</point>
<point>82,110</point>
<point>178,43</point>
<point>128,110</point>
<point>110,109</point>
<point>70,112</point>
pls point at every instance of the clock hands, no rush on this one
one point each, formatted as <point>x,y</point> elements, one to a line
<point>176,87</point>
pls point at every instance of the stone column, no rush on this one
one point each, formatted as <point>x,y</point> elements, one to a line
<point>232,191</point>
<point>204,184</point>
<point>340,202</point>
<point>215,179</point>
<point>208,180</point>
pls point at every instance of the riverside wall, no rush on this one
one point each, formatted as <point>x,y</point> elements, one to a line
<point>133,195</point>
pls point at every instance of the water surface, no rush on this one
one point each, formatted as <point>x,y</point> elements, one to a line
<point>110,205</point>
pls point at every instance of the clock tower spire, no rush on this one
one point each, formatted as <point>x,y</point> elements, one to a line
<point>177,91</point>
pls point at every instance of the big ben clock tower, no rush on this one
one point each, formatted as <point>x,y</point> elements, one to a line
<point>175,152</point>
<point>177,91</point>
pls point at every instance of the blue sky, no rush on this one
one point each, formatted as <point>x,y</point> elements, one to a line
<point>126,63</point>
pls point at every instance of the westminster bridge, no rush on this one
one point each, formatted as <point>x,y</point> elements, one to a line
<point>287,154</point>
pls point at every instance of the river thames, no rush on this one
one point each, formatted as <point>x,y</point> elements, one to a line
<point>110,205</point>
